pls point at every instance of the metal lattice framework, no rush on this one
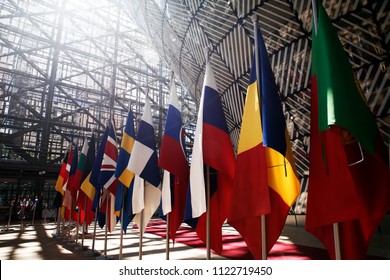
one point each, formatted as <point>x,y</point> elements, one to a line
<point>180,30</point>
<point>65,66</point>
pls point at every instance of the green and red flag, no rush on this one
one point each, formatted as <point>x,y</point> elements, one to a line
<point>87,191</point>
<point>349,181</point>
<point>76,181</point>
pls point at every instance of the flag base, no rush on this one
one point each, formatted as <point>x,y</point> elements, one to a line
<point>80,248</point>
<point>71,244</point>
<point>105,257</point>
<point>7,230</point>
<point>57,236</point>
<point>91,253</point>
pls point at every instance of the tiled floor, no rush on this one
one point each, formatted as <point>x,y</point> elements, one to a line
<point>38,242</point>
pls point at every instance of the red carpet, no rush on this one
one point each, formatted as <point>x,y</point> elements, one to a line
<point>236,249</point>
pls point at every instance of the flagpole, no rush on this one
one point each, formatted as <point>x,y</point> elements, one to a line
<point>93,252</point>
<point>255,20</point>
<point>208,237</point>
<point>62,222</point>
<point>77,225</point>
<point>71,212</point>
<point>336,236</point>
<point>141,225</point>
<point>121,237</point>
<point>94,230</point>
<point>77,229</point>
<point>315,14</point>
<point>106,227</point>
<point>107,194</point>
<point>167,238</point>
<point>84,221</point>
<point>59,218</point>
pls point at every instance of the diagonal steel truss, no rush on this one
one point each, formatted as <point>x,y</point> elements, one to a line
<point>65,66</point>
<point>180,30</point>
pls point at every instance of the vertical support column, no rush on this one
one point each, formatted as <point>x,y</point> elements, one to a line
<point>52,83</point>
<point>160,91</point>
<point>115,64</point>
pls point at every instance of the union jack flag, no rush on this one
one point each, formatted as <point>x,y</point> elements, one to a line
<point>107,170</point>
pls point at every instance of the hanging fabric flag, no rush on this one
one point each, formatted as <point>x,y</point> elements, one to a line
<point>94,178</point>
<point>144,163</point>
<point>213,147</point>
<point>76,181</point>
<point>87,186</point>
<point>349,184</point>
<point>124,175</point>
<point>107,177</point>
<point>265,182</point>
<point>110,157</point>
<point>87,191</point>
<point>174,162</point>
<point>62,175</point>
<point>67,187</point>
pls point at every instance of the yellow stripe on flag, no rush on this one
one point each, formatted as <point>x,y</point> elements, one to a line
<point>59,184</point>
<point>127,143</point>
<point>251,130</point>
<point>281,176</point>
<point>126,177</point>
<point>88,188</point>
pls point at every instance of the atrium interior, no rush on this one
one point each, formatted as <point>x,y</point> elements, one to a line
<point>67,66</point>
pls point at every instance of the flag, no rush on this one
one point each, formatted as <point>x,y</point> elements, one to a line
<point>125,176</point>
<point>86,185</point>
<point>62,175</point>
<point>94,175</point>
<point>265,181</point>
<point>107,177</point>
<point>144,163</point>
<point>94,179</point>
<point>67,188</point>
<point>174,162</point>
<point>107,212</point>
<point>110,158</point>
<point>213,147</point>
<point>122,172</point>
<point>349,181</point>
<point>76,180</point>
<point>79,170</point>
<point>87,191</point>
